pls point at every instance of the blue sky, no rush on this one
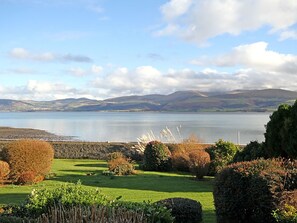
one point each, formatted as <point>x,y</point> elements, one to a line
<point>53,49</point>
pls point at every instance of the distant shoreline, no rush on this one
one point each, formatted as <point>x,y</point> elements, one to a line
<point>10,133</point>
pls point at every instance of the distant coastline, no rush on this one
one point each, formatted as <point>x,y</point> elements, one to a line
<point>9,133</point>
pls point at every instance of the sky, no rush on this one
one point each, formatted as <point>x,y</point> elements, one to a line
<point>55,49</point>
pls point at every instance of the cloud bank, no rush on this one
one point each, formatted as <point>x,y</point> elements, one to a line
<point>199,20</point>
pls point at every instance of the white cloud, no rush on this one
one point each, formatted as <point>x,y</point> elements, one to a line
<point>199,20</point>
<point>42,90</point>
<point>21,53</point>
<point>288,34</point>
<point>175,8</point>
<point>256,56</point>
<point>149,80</point>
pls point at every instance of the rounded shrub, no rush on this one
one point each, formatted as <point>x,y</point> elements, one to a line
<point>252,151</point>
<point>184,210</point>
<point>199,163</point>
<point>247,191</point>
<point>180,159</point>
<point>156,157</point>
<point>29,156</point>
<point>121,166</point>
<point>4,170</point>
<point>221,154</point>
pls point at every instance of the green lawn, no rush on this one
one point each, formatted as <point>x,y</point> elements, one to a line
<point>144,186</point>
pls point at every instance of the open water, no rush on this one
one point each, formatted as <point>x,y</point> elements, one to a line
<point>239,128</point>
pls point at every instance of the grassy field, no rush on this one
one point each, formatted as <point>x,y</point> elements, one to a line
<point>144,186</point>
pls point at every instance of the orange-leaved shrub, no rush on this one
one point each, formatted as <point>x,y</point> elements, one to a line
<point>27,177</point>
<point>180,154</point>
<point>121,166</point>
<point>28,156</point>
<point>115,155</point>
<point>4,170</point>
<point>180,160</point>
<point>199,162</point>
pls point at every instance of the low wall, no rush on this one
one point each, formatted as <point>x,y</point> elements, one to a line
<point>89,150</point>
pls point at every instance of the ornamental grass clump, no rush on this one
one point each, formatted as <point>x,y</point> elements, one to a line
<point>28,155</point>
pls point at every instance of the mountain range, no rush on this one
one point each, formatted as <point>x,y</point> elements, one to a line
<point>180,101</point>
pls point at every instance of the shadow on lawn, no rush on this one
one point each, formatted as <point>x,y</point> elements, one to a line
<point>93,165</point>
<point>142,181</point>
<point>14,198</point>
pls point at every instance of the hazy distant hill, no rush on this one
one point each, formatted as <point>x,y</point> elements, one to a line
<point>190,101</point>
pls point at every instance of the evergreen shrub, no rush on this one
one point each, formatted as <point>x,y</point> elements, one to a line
<point>156,157</point>
<point>184,210</point>
<point>281,132</point>
<point>252,151</point>
<point>28,156</point>
<point>221,154</point>
<point>248,191</point>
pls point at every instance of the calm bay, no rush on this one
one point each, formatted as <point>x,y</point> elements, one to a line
<point>128,126</point>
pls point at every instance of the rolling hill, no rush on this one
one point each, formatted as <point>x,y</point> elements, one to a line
<point>180,101</point>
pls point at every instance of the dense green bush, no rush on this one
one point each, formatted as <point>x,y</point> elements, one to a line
<point>154,212</point>
<point>74,202</point>
<point>221,154</point>
<point>281,132</point>
<point>156,157</point>
<point>28,156</point>
<point>184,210</point>
<point>252,151</point>
<point>40,200</point>
<point>247,192</point>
